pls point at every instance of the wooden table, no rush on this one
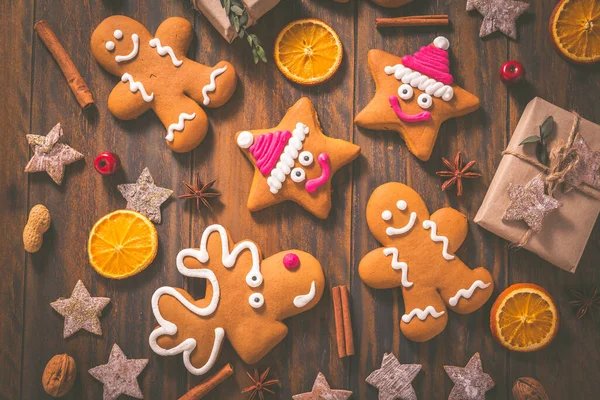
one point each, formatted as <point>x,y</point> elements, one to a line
<point>36,97</point>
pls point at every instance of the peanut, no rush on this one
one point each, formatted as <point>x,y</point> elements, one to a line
<point>37,224</point>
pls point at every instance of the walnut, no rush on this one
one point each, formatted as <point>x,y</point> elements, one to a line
<point>528,389</point>
<point>59,375</point>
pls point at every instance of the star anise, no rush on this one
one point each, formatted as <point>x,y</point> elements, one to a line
<point>260,384</point>
<point>457,172</point>
<point>585,300</point>
<point>201,192</point>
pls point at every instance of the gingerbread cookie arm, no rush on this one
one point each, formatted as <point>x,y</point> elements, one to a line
<point>464,289</point>
<point>210,86</point>
<point>174,33</point>
<point>384,268</point>
<point>451,224</point>
<point>126,105</point>
<point>185,122</point>
<point>425,314</point>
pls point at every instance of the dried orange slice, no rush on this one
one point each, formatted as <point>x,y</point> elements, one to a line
<point>122,244</point>
<point>308,51</point>
<point>524,318</point>
<point>575,30</point>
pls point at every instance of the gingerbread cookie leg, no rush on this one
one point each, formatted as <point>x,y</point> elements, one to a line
<point>211,86</point>
<point>425,314</point>
<point>467,290</point>
<point>126,104</point>
<point>186,124</point>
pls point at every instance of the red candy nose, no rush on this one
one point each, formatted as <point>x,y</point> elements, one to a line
<point>291,261</point>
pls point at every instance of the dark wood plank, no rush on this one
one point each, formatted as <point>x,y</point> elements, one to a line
<point>15,113</point>
<point>54,271</point>
<point>570,366</point>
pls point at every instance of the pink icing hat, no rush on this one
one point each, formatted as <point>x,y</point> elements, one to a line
<point>267,149</point>
<point>432,61</point>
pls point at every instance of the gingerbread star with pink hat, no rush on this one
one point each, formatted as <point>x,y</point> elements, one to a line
<point>294,161</point>
<point>414,94</point>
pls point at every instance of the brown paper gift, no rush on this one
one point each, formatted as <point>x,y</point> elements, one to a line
<point>215,13</point>
<point>566,231</point>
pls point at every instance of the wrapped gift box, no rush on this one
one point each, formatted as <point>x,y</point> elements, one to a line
<point>215,13</point>
<point>565,231</point>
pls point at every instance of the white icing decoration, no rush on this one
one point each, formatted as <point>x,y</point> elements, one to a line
<point>298,175</point>
<point>287,158</point>
<point>386,215</point>
<point>396,265</point>
<point>467,293</point>
<point>179,125</point>
<point>306,158</point>
<point>399,231</point>
<point>427,224</point>
<point>245,139</point>
<point>212,86</point>
<point>118,34</point>
<point>136,47</point>
<point>164,50</point>
<point>441,43</point>
<point>401,204</point>
<point>135,86</point>
<point>425,101</point>
<point>110,45</point>
<point>420,81</point>
<point>421,314</point>
<point>303,300</point>
<point>253,300</point>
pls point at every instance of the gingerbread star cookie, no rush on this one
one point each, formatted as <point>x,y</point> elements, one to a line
<point>414,95</point>
<point>294,161</point>
<point>156,74</point>
<point>418,256</point>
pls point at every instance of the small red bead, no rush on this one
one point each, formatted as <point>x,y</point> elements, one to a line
<point>107,163</point>
<point>512,72</point>
<point>291,261</point>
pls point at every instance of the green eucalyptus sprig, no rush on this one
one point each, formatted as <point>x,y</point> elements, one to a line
<point>236,11</point>
<point>541,148</point>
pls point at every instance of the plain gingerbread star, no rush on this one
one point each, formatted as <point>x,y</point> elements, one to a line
<point>587,169</point>
<point>144,196</point>
<point>119,375</point>
<point>529,203</point>
<point>49,155</point>
<point>81,311</point>
<point>336,152</point>
<point>322,390</point>
<point>470,382</point>
<point>499,15</point>
<point>394,380</point>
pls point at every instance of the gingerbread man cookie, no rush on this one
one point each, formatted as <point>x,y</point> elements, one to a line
<point>156,74</point>
<point>414,95</point>
<point>246,300</point>
<point>294,161</point>
<point>419,257</point>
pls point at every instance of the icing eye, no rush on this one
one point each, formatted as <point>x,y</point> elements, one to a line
<point>118,34</point>
<point>401,204</point>
<point>306,158</point>
<point>386,215</point>
<point>256,300</point>
<point>405,92</point>
<point>110,46</point>
<point>425,101</point>
<point>298,175</point>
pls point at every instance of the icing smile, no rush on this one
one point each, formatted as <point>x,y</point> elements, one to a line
<point>419,117</point>
<point>136,47</point>
<point>399,231</point>
<point>313,184</point>
<point>303,300</point>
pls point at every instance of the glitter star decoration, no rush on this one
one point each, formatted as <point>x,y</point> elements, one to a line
<point>470,382</point>
<point>587,170</point>
<point>394,380</point>
<point>49,155</point>
<point>322,390</point>
<point>119,375</point>
<point>81,311</point>
<point>144,196</point>
<point>498,15</point>
<point>529,203</point>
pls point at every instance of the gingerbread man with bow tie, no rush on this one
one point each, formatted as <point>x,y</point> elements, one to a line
<point>156,74</point>
<point>418,256</point>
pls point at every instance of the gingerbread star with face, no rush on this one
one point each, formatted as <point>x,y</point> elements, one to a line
<point>414,94</point>
<point>294,161</point>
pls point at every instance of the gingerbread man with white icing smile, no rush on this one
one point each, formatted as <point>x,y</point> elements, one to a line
<point>419,257</point>
<point>156,74</point>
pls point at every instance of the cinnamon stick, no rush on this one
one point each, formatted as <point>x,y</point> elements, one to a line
<point>209,384</point>
<point>348,336</point>
<point>414,20</point>
<point>336,296</point>
<point>74,79</point>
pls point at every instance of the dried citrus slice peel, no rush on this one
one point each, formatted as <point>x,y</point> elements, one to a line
<point>575,30</point>
<point>524,318</point>
<point>308,51</point>
<point>122,244</point>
